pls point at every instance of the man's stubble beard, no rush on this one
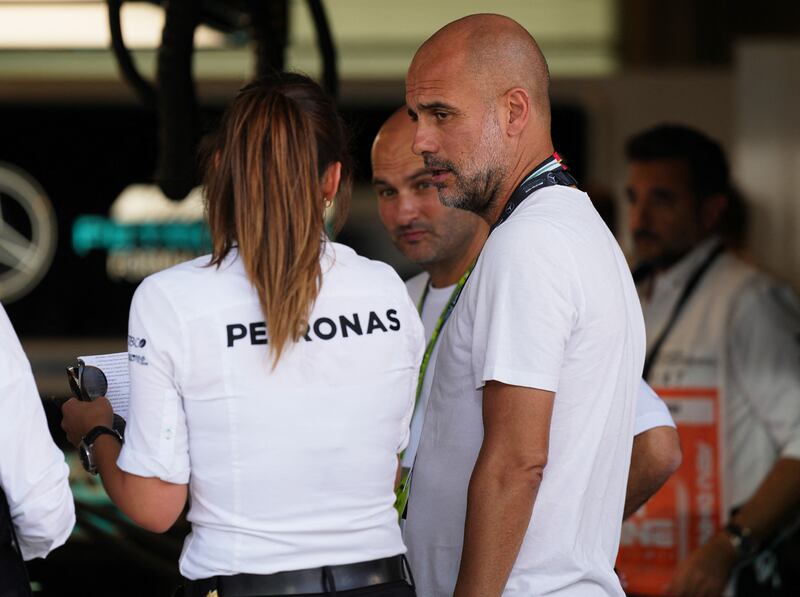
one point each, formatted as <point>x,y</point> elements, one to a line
<point>663,255</point>
<point>477,192</point>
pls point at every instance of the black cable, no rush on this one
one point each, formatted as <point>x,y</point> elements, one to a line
<point>178,111</point>
<point>143,89</point>
<point>269,25</point>
<point>330,75</point>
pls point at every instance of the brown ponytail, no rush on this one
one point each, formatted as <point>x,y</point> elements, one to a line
<point>264,198</point>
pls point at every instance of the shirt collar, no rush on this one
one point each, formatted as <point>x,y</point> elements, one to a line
<point>678,275</point>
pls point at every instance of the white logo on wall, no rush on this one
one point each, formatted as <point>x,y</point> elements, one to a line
<point>142,204</point>
<point>28,232</point>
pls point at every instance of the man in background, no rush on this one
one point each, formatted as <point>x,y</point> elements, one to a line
<point>715,322</point>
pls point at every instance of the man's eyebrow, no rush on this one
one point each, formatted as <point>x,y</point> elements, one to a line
<point>379,181</point>
<point>663,192</point>
<point>418,174</point>
<point>437,106</point>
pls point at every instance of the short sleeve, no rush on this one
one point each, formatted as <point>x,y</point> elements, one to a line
<point>764,351</point>
<point>415,343</point>
<point>651,411</point>
<point>156,437</point>
<point>528,303</point>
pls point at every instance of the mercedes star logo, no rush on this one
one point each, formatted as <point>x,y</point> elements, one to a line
<point>27,233</point>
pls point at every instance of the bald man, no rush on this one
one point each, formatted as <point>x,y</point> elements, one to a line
<point>519,482</point>
<point>445,242</point>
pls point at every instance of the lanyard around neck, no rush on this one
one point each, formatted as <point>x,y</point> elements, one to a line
<point>443,317</point>
<point>550,172</point>
<point>404,488</point>
<point>690,287</point>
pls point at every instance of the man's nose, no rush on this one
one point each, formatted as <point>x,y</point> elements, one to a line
<point>424,140</point>
<point>407,209</point>
<point>638,215</point>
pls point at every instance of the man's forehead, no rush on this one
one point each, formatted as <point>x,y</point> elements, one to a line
<point>429,78</point>
<point>397,167</point>
<point>659,171</point>
<point>392,147</point>
<point>424,87</point>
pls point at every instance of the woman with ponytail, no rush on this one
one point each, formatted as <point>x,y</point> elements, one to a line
<point>273,381</point>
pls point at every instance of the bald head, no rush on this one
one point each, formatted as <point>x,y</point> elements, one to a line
<point>478,92</point>
<point>392,145</point>
<point>493,50</point>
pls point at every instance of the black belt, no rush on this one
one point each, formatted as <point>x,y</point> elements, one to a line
<point>345,577</point>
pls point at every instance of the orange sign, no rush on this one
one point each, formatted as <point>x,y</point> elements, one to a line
<point>689,508</point>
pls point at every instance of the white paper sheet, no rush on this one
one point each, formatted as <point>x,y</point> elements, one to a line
<point>115,367</point>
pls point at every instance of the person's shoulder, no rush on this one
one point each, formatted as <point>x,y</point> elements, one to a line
<point>758,293</point>
<point>735,276</point>
<point>182,272</point>
<point>13,355</point>
<point>346,257</point>
<point>186,283</point>
<point>559,197</point>
<point>178,274</point>
<point>535,225</point>
<point>549,208</point>
<point>415,285</point>
<point>343,266</point>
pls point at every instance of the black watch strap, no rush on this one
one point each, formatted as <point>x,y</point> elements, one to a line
<point>96,432</point>
<point>87,443</point>
<point>741,538</point>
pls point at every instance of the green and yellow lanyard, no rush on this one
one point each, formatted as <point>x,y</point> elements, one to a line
<point>403,489</point>
<point>550,172</point>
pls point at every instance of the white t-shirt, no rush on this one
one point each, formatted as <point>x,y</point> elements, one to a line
<point>738,333</point>
<point>288,468</point>
<point>550,305</point>
<point>650,409</point>
<point>435,302</point>
<point>33,473</point>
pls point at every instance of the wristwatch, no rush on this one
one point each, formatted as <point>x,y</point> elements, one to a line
<point>742,540</point>
<point>87,443</point>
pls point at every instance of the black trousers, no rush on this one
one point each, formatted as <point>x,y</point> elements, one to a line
<point>13,578</point>
<point>394,589</point>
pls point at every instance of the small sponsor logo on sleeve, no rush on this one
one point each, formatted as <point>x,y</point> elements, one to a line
<point>139,359</point>
<point>134,342</point>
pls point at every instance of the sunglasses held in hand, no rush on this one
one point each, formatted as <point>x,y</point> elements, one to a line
<point>87,383</point>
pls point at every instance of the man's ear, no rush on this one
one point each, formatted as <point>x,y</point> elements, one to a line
<point>518,106</point>
<point>712,210</point>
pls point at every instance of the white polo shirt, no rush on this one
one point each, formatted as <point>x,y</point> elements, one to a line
<point>33,473</point>
<point>550,305</point>
<point>291,467</point>
<point>650,409</point>
<point>739,333</point>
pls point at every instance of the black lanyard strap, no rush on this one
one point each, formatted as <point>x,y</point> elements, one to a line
<point>690,287</point>
<point>552,176</point>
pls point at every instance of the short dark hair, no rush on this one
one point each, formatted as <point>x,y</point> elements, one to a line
<point>709,173</point>
<point>708,168</point>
